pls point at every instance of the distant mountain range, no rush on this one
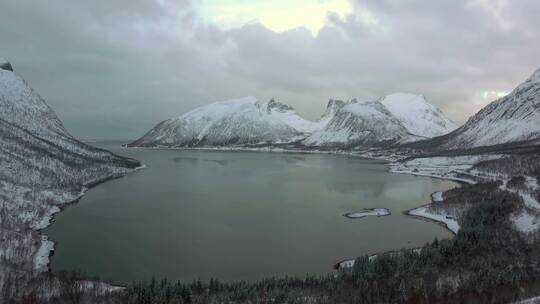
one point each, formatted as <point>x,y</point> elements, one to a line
<point>393,119</point>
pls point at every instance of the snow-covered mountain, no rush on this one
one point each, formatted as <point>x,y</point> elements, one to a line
<point>420,117</point>
<point>510,119</point>
<point>396,118</point>
<point>393,119</point>
<point>42,167</point>
<point>243,121</point>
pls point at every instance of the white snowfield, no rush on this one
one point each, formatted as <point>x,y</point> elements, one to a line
<point>42,168</point>
<point>247,121</point>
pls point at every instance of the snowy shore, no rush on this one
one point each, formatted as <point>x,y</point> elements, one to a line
<point>43,254</point>
<point>461,169</point>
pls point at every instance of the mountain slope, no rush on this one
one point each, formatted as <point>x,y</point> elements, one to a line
<point>510,119</point>
<point>417,115</point>
<point>393,119</point>
<point>43,167</point>
<point>243,121</point>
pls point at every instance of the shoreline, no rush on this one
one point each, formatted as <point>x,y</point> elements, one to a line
<point>268,149</point>
<point>49,244</point>
<point>429,219</point>
<point>390,159</point>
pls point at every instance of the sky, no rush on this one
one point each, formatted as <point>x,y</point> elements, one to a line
<point>114,69</point>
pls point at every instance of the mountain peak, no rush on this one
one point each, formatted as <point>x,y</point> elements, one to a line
<point>5,65</point>
<point>333,105</point>
<point>272,104</point>
<point>419,116</point>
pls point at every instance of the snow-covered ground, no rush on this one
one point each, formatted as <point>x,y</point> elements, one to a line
<point>461,168</point>
<point>367,212</point>
<point>455,168</point>
<point>437,197</point>
<point>526,221</point>
<point>449,221</point>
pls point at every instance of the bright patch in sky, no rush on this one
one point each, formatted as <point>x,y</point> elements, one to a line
<point>492,95</point>
<point>277,15</point>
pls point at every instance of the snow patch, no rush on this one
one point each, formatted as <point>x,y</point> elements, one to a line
<point>437,197</point>
<point>450,222</point>
<point>367,212</point>
<point>41,259</point>
<point>525,221</point>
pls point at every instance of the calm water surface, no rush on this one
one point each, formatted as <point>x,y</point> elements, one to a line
<point>238,215</point>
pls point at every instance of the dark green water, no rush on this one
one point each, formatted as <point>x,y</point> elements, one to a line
<point>238,215</point>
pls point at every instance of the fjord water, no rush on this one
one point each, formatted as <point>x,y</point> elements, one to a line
<point>238,215</point>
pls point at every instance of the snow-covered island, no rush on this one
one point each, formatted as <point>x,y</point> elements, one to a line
<point>367,212</point>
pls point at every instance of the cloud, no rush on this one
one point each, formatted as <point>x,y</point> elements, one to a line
<point>277,15</point>
<point>114,69</point>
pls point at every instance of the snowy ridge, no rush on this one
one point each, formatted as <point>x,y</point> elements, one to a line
<point>510,119</point>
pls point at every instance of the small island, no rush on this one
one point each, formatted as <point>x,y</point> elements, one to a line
<point>367,212</point>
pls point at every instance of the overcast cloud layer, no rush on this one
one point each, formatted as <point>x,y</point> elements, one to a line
<point>113,69</point>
